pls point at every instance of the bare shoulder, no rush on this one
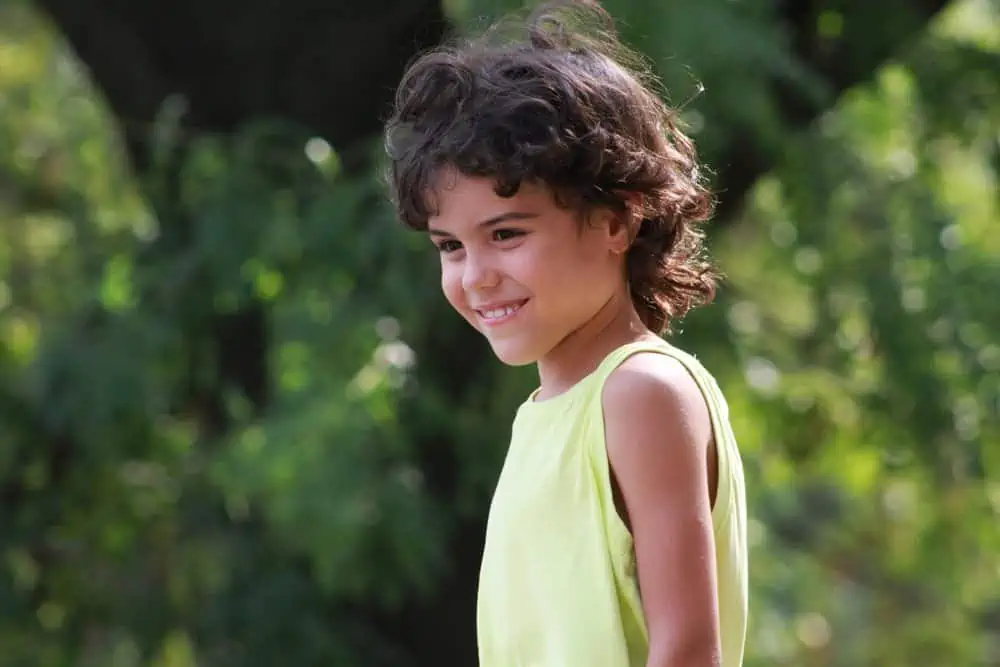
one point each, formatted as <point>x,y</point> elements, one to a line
<point>658,432</point>
<point>655,391</point>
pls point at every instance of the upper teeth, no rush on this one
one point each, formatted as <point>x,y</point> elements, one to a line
<point>494,313</point>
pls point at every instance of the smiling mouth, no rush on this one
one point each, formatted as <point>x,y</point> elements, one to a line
<point>499,314</point>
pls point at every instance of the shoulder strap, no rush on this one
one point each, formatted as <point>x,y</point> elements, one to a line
<point>617,357</point>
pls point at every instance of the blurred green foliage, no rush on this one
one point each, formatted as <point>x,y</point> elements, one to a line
<point>858,342</point>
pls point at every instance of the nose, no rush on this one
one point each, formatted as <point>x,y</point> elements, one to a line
<point>479,272</point>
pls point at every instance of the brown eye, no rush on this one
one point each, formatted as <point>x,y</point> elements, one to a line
<point>506,234</point>
<point>448,245</point>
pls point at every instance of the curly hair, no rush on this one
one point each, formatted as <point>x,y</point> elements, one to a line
<point>565,104</point>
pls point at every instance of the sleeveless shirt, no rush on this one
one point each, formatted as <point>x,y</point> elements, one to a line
<point>558,585</point>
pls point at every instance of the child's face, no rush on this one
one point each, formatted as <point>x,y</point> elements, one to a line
<point>523,271</point>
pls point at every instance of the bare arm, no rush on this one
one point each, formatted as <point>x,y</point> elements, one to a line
<point>659,442</point>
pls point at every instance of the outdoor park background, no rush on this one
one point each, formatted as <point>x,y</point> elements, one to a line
<point>239,427</point>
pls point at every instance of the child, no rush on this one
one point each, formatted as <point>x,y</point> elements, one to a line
<point>565,204</point>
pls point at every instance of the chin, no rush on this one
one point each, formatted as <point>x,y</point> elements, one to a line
<point>514,355</point>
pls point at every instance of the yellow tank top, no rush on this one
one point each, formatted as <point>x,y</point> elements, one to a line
<point>558,584</point>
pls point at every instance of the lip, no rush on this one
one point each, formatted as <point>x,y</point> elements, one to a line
<point>480,310</point>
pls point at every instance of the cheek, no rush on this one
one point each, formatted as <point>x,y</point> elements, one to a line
<point>451,286</point>
<point>571,266</point>
<point>584,272</point>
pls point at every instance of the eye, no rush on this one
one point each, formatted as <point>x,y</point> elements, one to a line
<point>446,246</point>
<point>506,234</point>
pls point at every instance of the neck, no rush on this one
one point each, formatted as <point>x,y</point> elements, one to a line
<point>617,323</point>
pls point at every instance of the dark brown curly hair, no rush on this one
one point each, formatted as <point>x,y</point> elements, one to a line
<point>565,104</point>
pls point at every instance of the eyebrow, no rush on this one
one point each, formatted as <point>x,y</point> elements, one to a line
<point>489,222</point>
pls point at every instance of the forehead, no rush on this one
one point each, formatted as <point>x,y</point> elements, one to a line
<point>455,197</point>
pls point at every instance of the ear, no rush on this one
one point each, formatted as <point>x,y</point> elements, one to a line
<point>624,225</point>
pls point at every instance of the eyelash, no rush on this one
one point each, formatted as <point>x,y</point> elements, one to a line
<point>448,246</point>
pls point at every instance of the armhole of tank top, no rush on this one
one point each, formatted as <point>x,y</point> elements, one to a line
<point>722,440</point>
<point>721,437</point>
<point>599,454</point>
